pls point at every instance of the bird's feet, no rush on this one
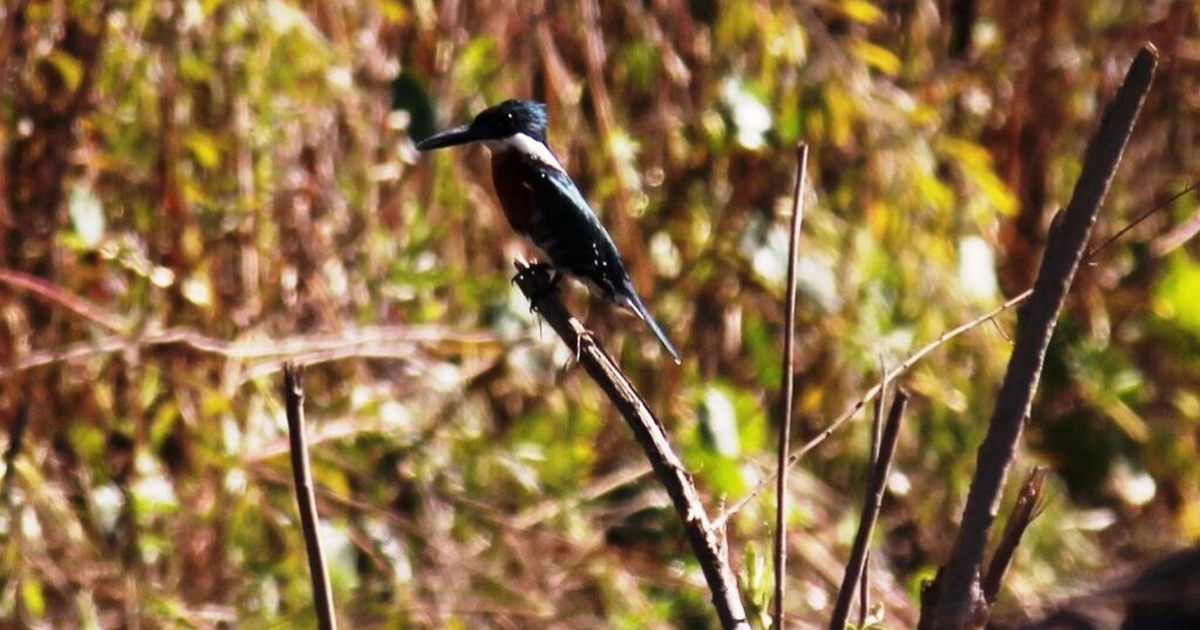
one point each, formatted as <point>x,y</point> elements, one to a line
<point>546,287</point>
<point>580,337</point>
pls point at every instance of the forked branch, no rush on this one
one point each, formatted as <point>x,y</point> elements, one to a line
<point>959,602</point>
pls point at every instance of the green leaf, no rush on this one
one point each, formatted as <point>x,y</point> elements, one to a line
<point>1177,297</point>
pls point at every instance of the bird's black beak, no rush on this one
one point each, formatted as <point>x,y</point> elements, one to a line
<point>449,138</point>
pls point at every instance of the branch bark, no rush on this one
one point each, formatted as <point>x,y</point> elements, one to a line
<point>293,393</point>
<point>708,543</point>
<point>959,601</point>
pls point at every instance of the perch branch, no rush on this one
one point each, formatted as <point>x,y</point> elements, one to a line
<point>959,601</point>
<point>708,544</point>
<point>788,386</point>
<point>870,512</point>
<point>293,394</point>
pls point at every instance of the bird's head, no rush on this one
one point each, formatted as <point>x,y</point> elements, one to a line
<point>499,123</point>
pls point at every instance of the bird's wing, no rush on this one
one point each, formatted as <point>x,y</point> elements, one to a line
<point>567,230</point>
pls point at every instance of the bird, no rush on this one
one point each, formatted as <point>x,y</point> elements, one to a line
<point>542,203</point>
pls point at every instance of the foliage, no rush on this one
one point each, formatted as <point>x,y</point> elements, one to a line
<point>205,189</point>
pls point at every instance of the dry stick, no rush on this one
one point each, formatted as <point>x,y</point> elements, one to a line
<point>958,598</point>
<point>870,511</point>
<point>789,385</point>
<point>877,420</point>
<point>864,587</point>
<point>708,544</point>
<point>293,394</point>
<point>864,592</point>
<point>1023,513</point>
<point>371,342</point>
<point>1134,223</point>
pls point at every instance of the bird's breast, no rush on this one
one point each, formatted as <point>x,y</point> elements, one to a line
<point>510,178</point>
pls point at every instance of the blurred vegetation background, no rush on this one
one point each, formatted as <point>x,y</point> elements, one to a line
<point>193,192</point>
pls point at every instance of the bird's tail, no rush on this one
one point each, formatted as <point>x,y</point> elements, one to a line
<point>631,301</point>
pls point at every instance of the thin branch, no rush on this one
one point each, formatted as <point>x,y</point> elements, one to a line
<point>959,600</point>
<point>877,420</point>
<point>370,342</point>
<point>864,592</point>
<point>788,386</point>
<point>870,511</point>
<point>708,544</point>
<point>1145,215</point>
<point>864,585</point>
<point>53,293</point>
<point>293,393</point>
<point>1176,237</point>
<point>1024,511</point>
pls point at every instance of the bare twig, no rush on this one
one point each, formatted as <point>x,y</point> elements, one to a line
<point>1137,221</point>
<point>877,420</point>
<point>368,342</point>
<point>1177,236</point>
<point>870,511</point>
<point>708,543</point>
<point>959,601</point>
<point>864,592</point>
<point>293,394</point>
<point>53,293</point>
<point>788,386</point>
<point>864,585</point>
<point>1023,513</point>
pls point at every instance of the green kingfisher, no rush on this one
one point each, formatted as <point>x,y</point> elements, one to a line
<point>542,203</point>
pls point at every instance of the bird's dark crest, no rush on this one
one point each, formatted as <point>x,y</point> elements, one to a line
<point>512,117</point>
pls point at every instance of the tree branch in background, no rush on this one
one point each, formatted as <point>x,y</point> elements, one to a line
<point>788,385</point>
<point>708,542</point>
<point>1024,511</point>
<point>959,600</point>
<point>870,511</point>
<point>293,394</point>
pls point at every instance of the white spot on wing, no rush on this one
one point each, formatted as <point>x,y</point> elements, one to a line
<point>526,146</point>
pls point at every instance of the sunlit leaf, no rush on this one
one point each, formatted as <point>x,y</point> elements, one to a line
<point>204,148</point>
<point>1178,293</point>
<point>87,215</point>
<point>33,597</point>
<point>68,67</point>
<point>861,11</point>
<point>719,420</point>
<point>877,57</point>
